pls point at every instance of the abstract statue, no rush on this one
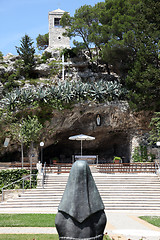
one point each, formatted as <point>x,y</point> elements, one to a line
<point>81,210</point>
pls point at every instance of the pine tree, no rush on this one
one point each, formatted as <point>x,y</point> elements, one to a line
<point>26,51</point>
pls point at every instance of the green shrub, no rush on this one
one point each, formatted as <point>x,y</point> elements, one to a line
<point>141,154</point>
<point>55,68</point>
<point>64,94</point>
<point>46,55</point>
<point>69,53</point>
<point>11,83</point>
<point>10,176</point>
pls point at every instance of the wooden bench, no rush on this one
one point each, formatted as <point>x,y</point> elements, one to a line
<point>91,159</point>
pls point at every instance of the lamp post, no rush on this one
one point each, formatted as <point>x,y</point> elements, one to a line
<point>41,145</point>
<point>158,145</point>
<point>22,154</point>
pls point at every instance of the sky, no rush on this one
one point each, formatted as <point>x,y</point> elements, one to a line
<point>20,17</point>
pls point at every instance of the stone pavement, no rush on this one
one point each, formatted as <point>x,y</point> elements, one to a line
<point>124,226</point>
<point>120,226</point>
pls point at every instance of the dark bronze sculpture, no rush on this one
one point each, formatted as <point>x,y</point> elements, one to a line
<point>81,210</point>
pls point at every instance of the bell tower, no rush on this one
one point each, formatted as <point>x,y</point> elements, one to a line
<point>56,38</point>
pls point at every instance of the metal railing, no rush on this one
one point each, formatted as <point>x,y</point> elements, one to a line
<point>59,168</point>
<point>127,167</point>
<point>28,177</point>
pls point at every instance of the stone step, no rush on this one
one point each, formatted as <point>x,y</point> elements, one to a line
<point>137,201</point>
<point>106,176</point>
<point>103,185</point>
<point>118,192</point>
<point>111,207</point>
<point>103,193</point>
<point>109,181</point>
<point>106,201</point>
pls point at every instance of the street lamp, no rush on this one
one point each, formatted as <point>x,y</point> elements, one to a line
<point>41,145</point>
<point>22,154</point>
<point>158,145</point>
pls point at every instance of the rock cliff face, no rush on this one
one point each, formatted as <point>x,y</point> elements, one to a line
<point>114,137</point>
<point>119,131</point>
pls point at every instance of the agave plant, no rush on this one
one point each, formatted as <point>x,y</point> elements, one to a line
<point>98,91</point>
<point>11,100</point>
<point>81,90</point>
<point>53,90</point>
<point>42,95</point>
<point>64,91</point>
<point>26,97</point>
<point>114,90</point>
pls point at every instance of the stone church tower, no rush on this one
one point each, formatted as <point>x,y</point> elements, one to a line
<point>56,38</point>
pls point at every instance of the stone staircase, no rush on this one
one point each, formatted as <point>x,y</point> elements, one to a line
<point>119,192</point>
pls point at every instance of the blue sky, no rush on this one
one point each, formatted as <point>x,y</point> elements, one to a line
<point>20,17</point>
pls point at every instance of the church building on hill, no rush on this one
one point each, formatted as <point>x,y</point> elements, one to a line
<point>56,38</point>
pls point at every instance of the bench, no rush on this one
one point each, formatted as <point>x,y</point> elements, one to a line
<point>91,159</point>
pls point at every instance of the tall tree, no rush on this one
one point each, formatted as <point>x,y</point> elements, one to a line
<point>133,31</point>
<point>42,41</point>
<point>155,128</point>
<point>85,24</point>
<point>143,80</point>
<point>118,29</point>
<point>26,51</point>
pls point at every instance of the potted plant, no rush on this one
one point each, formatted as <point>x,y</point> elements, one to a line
<point>55,160</point>
<point>117,160</point>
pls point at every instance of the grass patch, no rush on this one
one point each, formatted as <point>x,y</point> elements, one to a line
<point>27,220</point>
<point>29,237</point>
<point>35,237</point>
<point>106,237</point>
<point>155,220</point>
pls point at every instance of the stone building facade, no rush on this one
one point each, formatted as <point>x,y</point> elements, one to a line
<point>56,38</point>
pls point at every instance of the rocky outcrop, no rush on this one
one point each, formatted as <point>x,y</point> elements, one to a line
<point>7,65</point>
<point>75,69</point>
<point>118,133</point>
<point>114,136</point>
<point>42,69</point>
<point>1,90</point>
<point>119,130</point>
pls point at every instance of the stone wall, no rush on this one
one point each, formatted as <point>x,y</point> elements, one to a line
<point>56,38</point>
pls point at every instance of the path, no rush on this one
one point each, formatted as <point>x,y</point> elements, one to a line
<point>124,226</point>
<point>120,225</point>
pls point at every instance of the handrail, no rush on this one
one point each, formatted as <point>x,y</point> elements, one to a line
<point>28,176</point>
<point>44,174</point>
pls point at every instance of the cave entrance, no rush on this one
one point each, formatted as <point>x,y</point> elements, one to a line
<point>105,145</point>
